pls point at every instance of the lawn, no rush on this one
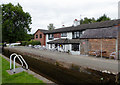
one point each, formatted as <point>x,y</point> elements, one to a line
<point>22,77</point>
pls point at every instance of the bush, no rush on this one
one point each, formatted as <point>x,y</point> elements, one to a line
<point>32,42</point>
<point>23,43</point>
<point>35,43</point>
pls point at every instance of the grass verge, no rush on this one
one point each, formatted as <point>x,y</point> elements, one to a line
<point>22,77</point>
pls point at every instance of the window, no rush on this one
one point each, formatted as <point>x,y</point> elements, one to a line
<point>40,35</point>
<point>50,36</point>
<point>75,47</point>
<point>36,36</point>
<point>76,34</point>
<point>50,45</point>
<point>63,34</point>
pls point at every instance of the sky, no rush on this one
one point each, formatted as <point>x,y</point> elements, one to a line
<point>64,12</point>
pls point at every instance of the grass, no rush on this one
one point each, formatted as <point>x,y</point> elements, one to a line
<point>22,77</point>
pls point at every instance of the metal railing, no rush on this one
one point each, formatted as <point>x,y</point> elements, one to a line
<point>20,59</point>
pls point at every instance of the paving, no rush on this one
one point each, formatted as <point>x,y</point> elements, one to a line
<point>101,64</point>
<point>17,70</point>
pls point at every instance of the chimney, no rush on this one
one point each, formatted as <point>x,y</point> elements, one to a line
<point>63,25</point>
<point>76,22</point>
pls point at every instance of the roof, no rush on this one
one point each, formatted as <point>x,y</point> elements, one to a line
<point>65,41</point>
<point>102,33</point>
<point>110,32</point>
<point>42,30</point>
<point>96,25</point>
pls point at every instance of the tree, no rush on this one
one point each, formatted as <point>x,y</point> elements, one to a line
<point>87,20</point>
<point>15,23</point>
<point>0,24</point>
<point>103,18</point>
<point>92,20</point>
<point>51,27</point>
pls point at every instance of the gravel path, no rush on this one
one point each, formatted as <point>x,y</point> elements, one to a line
<point>85,61</point>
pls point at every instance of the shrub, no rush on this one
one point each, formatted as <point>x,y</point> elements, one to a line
<point>32,42</point>
<point>35,42</point>
<point>23,43</point>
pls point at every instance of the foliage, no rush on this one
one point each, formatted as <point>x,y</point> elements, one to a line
<point>51,27</point>
<point>32,42</point>
<point>29,37</point>
<point>0,24</point>
<point>22,77</point>
<point>15,23</point>
<point>103,18</point>
<point>92,20</point>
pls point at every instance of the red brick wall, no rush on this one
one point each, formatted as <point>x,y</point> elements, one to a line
<point>108,45</point>
<point>43,39</point>
<point>57,35</point>
<point>119,42</point>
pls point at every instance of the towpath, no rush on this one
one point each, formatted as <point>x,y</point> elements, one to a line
<point>85,61</point>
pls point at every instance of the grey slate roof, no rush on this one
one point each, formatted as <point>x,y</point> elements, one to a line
<point>110,32</point>
<point>104,33</point>
<point>42,30</point>
<point>103,24</point>
<point>65,41</point>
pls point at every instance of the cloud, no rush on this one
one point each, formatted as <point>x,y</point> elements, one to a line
<point>64,12</point>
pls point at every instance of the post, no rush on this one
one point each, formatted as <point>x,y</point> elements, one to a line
<point>101,48</point>
<point>14,64</point>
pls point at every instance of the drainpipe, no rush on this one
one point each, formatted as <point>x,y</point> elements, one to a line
<point>101,48</point>
<point>116,50</point>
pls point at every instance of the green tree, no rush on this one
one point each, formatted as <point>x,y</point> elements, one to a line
<point>51,27</point>
<point>15,23</point>
<point>103,18</point>
<point>87,20</point>
<point>92,20</point>
<point>0,24</point>
<point>29,37</point>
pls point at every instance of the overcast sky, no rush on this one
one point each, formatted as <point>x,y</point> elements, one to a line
<point>61,12</point>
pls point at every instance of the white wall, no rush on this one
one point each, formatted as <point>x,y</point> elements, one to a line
<point>47,40</point>
<point>69,35</point>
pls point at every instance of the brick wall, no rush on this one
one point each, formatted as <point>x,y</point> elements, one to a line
<point>42,40</point>
<point>108,45</point>
<point>57,35</point>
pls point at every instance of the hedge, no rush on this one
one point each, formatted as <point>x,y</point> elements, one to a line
<point>32,42</point>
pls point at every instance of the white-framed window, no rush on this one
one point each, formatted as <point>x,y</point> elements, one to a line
<point>40,35</point>
<point>36,36</point>
<point>76,34</point>
<point>50,45</point>
<point>50,36</point>
<point>63,34</point>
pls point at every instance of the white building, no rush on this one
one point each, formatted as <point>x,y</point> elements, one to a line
<point>76,39</point>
